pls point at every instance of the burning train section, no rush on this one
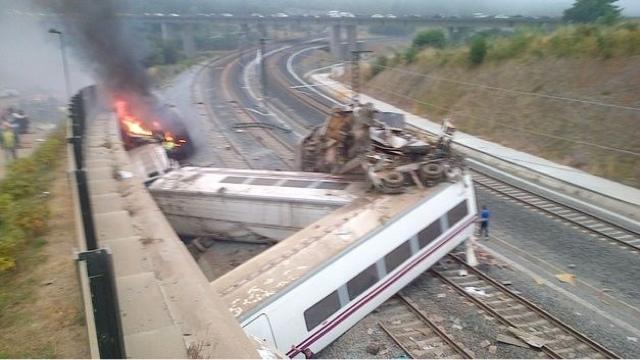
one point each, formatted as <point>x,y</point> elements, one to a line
<point>372,208</point>
<point>146,121</point>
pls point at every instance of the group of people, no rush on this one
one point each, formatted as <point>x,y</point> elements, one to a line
<point>13,124</point>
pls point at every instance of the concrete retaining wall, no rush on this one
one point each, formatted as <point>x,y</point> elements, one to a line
<point>168,309</point>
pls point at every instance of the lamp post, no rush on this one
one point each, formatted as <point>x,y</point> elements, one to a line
<point>65,66</point>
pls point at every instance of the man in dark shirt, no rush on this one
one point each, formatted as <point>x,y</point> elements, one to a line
<point>484,222</point>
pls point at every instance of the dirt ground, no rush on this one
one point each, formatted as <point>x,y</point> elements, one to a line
<point>44,316</point>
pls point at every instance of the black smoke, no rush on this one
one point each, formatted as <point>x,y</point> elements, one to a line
<point>93,29</point>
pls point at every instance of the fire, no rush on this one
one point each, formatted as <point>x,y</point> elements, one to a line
<point>137,132</point>
<point>133,125</point>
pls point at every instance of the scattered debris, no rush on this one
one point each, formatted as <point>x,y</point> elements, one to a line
<point>357,139</point>
<point>571,266</point>
<point>475,291</point>
<point>370,331</point>
<point>485,343</point>
<point>463,272</point>
<point>441,295</point>
<point>47,283</point>
<point>528,338</point>
<point>493,349</point>
<point>373,348</point>
<point>511,341</point>
<point>457,326</point>
<point>506,283</point>
<point>632,338</point>
<point>567,278</point>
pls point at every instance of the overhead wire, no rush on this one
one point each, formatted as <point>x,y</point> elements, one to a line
<point>529,131</point>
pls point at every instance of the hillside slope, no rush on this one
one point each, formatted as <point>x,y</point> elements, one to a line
<point>558,130</point>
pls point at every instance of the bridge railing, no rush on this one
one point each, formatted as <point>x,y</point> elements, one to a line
<point>94,264</point>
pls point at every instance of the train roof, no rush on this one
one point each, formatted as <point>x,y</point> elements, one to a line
<point>310,249</point>
<point>261,185</point>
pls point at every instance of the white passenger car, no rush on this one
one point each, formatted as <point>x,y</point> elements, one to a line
<point>307,290</point>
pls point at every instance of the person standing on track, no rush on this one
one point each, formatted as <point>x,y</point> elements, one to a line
<point>484,222</point>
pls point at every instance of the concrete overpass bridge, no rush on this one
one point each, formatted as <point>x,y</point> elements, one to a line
<point>342,30</point>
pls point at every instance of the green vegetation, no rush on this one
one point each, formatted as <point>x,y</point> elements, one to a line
<point>429,38</point>
<point>23,211</point>
<point>478,50</point>
<point>571,41</point>
<point>587,11</point>
<point>379,64</point>
<point>582,61</point>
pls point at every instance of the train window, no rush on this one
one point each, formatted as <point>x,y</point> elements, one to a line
<point>324,308</point>
<point>297,183</point>
<point>398,256</point>
<point>330,185</point>
<point>429,233</point>
<point>264,181</point>
<point>233,180</point>
<point>362,281</point>
<point>457,213</point>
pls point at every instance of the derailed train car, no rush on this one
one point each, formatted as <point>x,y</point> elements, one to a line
<point>145,120</point>
<point>309,289</point>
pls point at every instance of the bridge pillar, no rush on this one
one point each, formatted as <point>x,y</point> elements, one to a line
<point>345,51</point>
<point>244,28</point>
<point>334,40</point>
<point>188,40</point>
<point>262,29</point>
<point>352,37</point>
<point>165,31</point>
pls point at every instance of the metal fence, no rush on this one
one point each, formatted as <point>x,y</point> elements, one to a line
<point>95,266</point>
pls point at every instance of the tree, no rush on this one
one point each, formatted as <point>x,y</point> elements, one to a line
<point>478,50</point>
<point>584,11</point>
<point>430,38</point>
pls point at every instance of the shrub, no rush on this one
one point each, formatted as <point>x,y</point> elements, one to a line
<point>379,65</point>
<point>430,38</point>
<point>410,55</point>
<point>23,213</point>
<point>478,50</point>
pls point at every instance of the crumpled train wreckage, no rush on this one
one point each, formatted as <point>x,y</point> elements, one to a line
<point>361,139</point>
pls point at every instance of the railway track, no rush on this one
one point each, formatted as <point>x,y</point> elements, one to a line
<point>230,153</point>
<point>285,82</point>
<point>416,334</point>
<point>601,228</point>
<point>275,63</point>
<point>417,337</point>
<point>262,135</point>
<point>598,227</point>
<point>512,310</point>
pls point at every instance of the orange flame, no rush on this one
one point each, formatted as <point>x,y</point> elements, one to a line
<point>134,126</point>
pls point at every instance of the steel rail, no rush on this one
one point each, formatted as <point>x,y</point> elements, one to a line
<point>200,99</point>
<point>579,223</point>
<point>436,329</point>
<point>282,149</point>
<point>528,304</point>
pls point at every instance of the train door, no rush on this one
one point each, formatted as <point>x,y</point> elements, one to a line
<point>260,327</point>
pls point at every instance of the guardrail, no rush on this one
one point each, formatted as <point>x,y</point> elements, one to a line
<point>95,267</point>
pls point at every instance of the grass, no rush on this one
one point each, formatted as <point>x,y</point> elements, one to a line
<point>594,62</point>
<point>23,213</point>
<point>597,41</point>
<point>41,312</point>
